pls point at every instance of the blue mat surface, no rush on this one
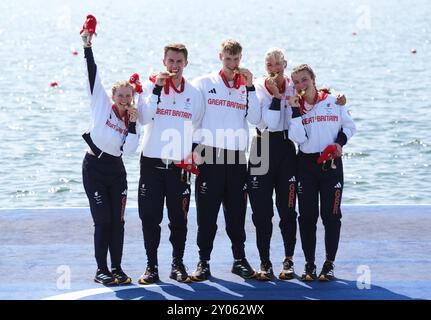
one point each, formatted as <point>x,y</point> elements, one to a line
<point>384,254</point>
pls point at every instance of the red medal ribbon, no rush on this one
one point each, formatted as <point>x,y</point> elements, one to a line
<point>170,83</point>
<point>117,113</point>
<point>319,96</point>
<point>238,80</point>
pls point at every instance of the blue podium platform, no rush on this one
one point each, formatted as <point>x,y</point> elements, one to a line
<point>384,254</point>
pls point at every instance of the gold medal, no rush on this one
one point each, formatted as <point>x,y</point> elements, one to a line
<point>333,166</point>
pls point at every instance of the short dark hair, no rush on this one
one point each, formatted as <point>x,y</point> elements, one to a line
<point>178,47</point>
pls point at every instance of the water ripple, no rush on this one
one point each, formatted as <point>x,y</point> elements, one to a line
<point>387,87</point>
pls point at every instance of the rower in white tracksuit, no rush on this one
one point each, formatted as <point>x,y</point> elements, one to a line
<point>317,123</point>
<point>171,109</point>
<point>113,132</point>
<point>230,105</point>
<point>275,156</point>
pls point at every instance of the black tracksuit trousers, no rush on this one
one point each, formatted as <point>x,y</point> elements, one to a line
<point>326,183</point>
<point>105,184</point>
<point>221,182</point>
<point>155,184</point>
<point>281,177</point>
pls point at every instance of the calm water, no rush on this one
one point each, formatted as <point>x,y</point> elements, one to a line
<point>361,48</point>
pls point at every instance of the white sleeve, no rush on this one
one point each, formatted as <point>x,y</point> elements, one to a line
<point>197,125</point>
<point>297,131</point>
<point>147,104</point>
<point>100,101</point>
<point>199,110</point>
<point>349,127</point>
<point>270,118</point>
<point>254,113</point>
<point>288,115</point>
<point>198,84</point>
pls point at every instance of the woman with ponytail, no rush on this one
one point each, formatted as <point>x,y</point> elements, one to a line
<point>321,128</point>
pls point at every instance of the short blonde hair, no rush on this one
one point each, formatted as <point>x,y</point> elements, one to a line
<point>232,47</point>
<point>277,53</point>
<point>122,83</point>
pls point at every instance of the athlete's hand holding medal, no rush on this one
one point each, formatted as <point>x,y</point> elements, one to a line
<point>163,76</point>
<point>248,76</point>
<point>133,112</point>
<point>295,101</point>
<point>271,82</point>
